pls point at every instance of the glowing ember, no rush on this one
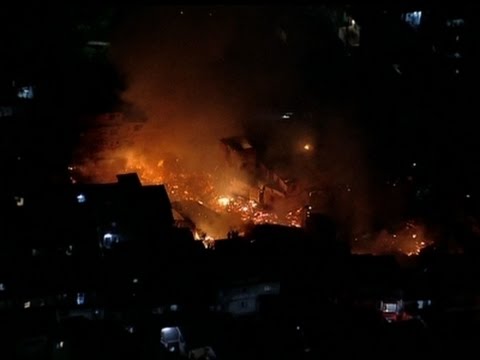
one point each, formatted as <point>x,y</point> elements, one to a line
<point>223,201</point>
<point>409,239</point>
<point>183,185</point>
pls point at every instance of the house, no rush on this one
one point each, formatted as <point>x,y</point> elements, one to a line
<point>85,218</point>
<point>246,298</point>
<point>375,284</point>
<point>240,153</point>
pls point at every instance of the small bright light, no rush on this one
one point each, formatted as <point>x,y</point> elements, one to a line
<point>26,304</point>
<point>414,164</point>
<point>60,345</point>
<point>80,299</point>
<point>2,287</point>
<point>135,280</point>
<point>467,196</point>
<point>110,239</point>
<point>394,235</point>
<point>414,236</point>
<point>19,200</point>
<point>181,12</point>
<point>223,201</point>
<point>81,198</point>
<point>25,92</point>
<point>457,71</point>
<point>307,147</point>
<point>353,22</point>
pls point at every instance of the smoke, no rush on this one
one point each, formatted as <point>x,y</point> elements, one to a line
<point>408,238</point>
<point>196,75</point>
<point>182,77</point>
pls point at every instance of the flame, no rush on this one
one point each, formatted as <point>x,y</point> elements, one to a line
<point>223,201</point>
<point>199,186</point>
<point>410,239</point>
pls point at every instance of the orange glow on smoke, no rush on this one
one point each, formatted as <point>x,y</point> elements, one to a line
<point>200,186</point>
<point>409,239</point>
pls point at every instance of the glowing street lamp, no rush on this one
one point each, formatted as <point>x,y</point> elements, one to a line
<point>307,147</point>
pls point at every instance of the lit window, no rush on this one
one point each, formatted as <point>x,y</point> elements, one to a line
<point>455,22</point>
<point>25,92</point>
<point>80,298</point>
<point>413,18</point>
<point>81,198</point>
<point>110,239</point>
<point>98,43</point>
<point>390,307</point>
<point>26,304</point>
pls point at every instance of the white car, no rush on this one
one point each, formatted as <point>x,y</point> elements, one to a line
<point>172,339</point>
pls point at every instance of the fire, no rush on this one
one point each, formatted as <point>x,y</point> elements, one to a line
<point>217,189</point>
<point>182,184</point>
<point>223,201</point>
<point>409,238</point>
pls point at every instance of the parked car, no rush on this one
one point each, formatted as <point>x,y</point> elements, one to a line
<point>172,339</point>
